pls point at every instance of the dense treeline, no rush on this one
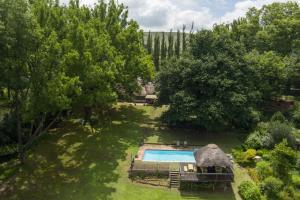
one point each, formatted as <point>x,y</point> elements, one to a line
<point>233,70</point>
<point>56,58</point>
<point>164,46</point>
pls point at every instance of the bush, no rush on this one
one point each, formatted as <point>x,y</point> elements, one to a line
<point>267,135</point>
<point>249,191</point>
<point>288,193</point>
<point>296,180</point>
<point>278,116</point>
<point>264,170</point>
<point>244,158</point>
<point>250,154</point>
<point>253,174</point>
<point>271,187</point>
<point>296,115</point>
<point>279,131</point>
<point>264,153</point>
<point>254,140</point>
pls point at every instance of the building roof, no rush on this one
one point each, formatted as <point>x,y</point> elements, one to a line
<point>148,89</point>
<point>211,156</point>
<point>151,97</point>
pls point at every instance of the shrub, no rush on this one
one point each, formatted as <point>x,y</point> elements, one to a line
<point>244,158</point>
<point>283,160</point>
<point>253,174</point>
<point>264,153</point>
<point>278,116</point>
<point>288,193</point>
<point>249,191</point>
<point>296,115</point>
<point>271,187</point>
<point>264,170</point>
<point>254,140</point>
<point>250,154</point>
<point>279,131</point>
<point>296,180</point>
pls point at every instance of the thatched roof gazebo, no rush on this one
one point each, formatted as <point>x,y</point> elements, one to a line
<point>212,156</point>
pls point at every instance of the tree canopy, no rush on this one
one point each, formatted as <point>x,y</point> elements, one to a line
<point>229,73</point>
<point>56,58</point>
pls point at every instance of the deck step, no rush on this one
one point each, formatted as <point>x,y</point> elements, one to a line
<point>174,179</point>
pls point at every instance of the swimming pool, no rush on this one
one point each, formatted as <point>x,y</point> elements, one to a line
<point>169,156</point>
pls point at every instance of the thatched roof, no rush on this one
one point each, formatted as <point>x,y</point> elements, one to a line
<point>154,97</point>
<point>211,155</point>
<point>148,89</point>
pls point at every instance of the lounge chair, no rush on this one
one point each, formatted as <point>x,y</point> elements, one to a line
<point>185,143</point>
<point>190,167</point>
<point>185,168</point>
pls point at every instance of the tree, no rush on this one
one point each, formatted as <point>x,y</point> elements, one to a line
<point>271,73</point>
<point>19,36</point>
<point>210,88</point>
<point>170,44</point>
<point>156,53</point>
<point>283,160</point>
<point>149,43</point>
<point>57,58</point>
<point>184,45</point>
<point>271,186</point>
<point>178,44</point>
<point>163,47</point>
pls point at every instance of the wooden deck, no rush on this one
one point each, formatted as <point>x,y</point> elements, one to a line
<point>204,177</point>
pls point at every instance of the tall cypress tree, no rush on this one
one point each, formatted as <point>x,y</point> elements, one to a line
<point>149,43</point>
<point>171,45</point>
<point>156,53</point>
<point>183,39</point>
<point>177,44</point>
<point>163,47</point>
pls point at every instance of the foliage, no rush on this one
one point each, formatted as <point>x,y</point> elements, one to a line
<point>57,58</point>
<point>267,134</point>
<point>296,115</point>
<point>215,85</point>
<point>271,187</point>
<point>283,160</point>
<point>270,73</point>
<point>258,138</point>
<point>264,153</point>
<point>244,157</point>
<point>250,154</point>
<point>254,175</point>
<point>249,191</point>
<point>278,116</point>
<point>296,180</point>
<point>264,170</point>
<point>211,89</point>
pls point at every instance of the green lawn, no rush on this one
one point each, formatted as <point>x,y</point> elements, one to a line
<point>73,162</point>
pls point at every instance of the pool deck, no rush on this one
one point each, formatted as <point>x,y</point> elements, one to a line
<point>144,147</point>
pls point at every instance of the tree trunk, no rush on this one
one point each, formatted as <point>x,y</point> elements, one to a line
<point>87,114</point>
<point>8,94</point>
<point>19,128</point>
<point>38,133</point>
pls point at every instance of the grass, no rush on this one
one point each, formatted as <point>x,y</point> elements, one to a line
<point>73,162</point>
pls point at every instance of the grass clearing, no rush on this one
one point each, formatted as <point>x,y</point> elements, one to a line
<point>73,162</point>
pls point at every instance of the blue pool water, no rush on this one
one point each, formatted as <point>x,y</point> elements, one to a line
<point>169,156</point>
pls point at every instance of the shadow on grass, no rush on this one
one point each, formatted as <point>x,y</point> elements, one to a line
<point>209,195</point>
<point>73,162</point>
<point>76,163</point>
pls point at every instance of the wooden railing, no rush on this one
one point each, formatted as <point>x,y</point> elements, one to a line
<point>192,176</point>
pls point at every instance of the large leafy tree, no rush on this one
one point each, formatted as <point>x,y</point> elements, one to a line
<point>213,87</point>
<point>56,58</point>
